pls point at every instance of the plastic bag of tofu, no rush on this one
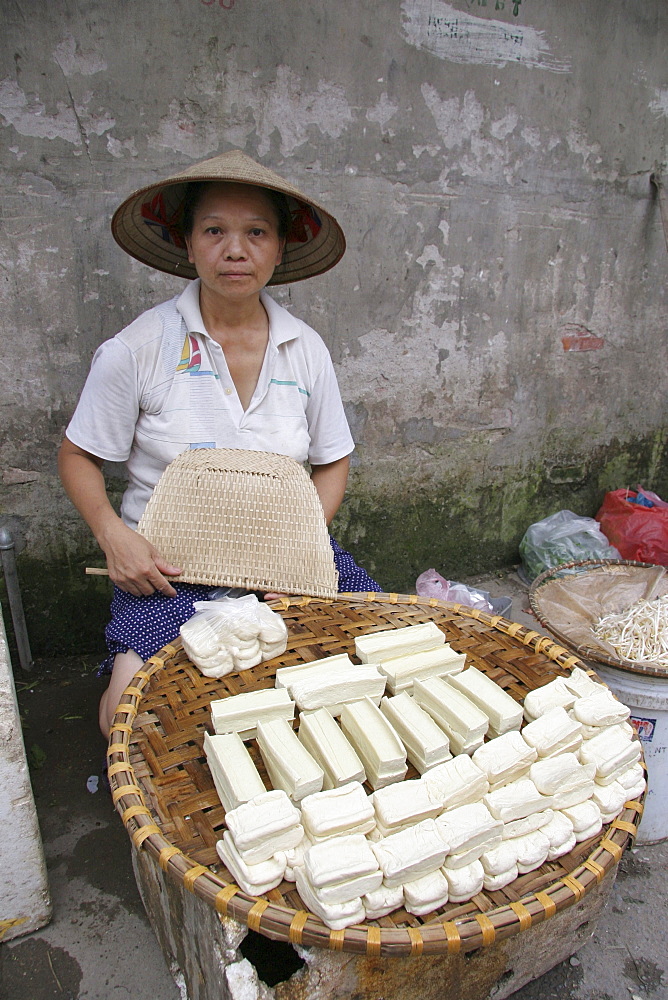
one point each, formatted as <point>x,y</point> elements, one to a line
<point>232,633</point>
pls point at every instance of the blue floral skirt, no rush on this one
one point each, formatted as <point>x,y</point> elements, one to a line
<point>148,623</point>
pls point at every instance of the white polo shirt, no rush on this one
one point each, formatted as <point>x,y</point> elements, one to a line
<point>162,385</point>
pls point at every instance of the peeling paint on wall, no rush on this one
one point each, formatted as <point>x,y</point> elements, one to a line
<point>73,60</point>
<point>449,34</point>
<point>27,114</point>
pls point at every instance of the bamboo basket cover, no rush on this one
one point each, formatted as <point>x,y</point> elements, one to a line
<point>236,518</point>
<point>575,571</point>
<point>163,790</point>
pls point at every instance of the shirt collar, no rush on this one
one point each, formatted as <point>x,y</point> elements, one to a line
<point>282,325</point>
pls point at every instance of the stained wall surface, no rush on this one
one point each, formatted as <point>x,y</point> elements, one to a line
<point>498,321</point>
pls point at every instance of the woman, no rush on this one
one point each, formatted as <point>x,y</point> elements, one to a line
<point>220,365</point>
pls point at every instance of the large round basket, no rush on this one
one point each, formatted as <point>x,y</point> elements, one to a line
<point>165,795</point>
<point>612,578</point>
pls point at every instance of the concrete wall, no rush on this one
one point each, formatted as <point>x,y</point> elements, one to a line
<point>498,322</point>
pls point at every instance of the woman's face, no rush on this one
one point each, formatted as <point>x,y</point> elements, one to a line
<point>234,243</point>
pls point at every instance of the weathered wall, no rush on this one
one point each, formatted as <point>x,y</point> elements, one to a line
<point>498,322</point>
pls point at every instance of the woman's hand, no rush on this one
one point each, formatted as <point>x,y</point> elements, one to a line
<point>134,564</point>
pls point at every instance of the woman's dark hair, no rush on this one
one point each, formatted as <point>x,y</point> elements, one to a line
<point>195,191</point>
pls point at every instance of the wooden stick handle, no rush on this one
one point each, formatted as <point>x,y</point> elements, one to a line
<point>96,571</point>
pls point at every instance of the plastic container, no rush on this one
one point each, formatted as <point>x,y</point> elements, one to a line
<point>647,697</point>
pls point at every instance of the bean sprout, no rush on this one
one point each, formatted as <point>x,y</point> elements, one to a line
<point>640,632</point>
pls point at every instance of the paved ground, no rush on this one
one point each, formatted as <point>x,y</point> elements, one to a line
<point>99,945</point>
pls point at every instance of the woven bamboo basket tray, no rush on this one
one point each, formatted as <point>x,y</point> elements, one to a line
<point>586,651</point>
<point>163,790</point>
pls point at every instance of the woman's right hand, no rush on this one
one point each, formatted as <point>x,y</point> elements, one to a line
<point>134,564</point>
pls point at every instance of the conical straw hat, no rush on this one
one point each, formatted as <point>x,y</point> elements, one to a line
<point>236,518</point>
<point>148,223</point>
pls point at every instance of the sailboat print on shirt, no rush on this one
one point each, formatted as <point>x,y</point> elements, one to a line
<point>191,358</point>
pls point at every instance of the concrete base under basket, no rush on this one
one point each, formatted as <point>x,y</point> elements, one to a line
<point>205,949</point>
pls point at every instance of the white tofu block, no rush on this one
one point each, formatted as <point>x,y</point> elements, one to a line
<point>499,859</point>
<point>464,827</point>
<point>426,743</point>
<point>531,850</point>
<point>411,853</point>
<point>338,687</point>
<point>450,709</point>
<point>379,748</point>
<point>423,895</point>
<point>384,778</point>
<point>577,791</point>
<point>463,858</point>
<point>591,831</point>
<point>335,915</point>
<point>632,776</point>
<point>352,888</point>
<point>505,758</point>
<point>403,803</point>
<point>338,810</point>
<point>581,684</point>
<point>262,817</point>
<point>468,746</point>
<point>559,832</point>
<point>381,831</point>
<point>600,709</point>
<point>456,782</point>
<point>382,901</point>
<point>555,694</point>
<point>234,774</point>
<point>325,741</point>
<point>240,712</point>
<point>610,751</point>
<point>294,858</point>
<point>253,879</point>
<point>287,676</point>
<point>528,824</point>
<point>289,764</point>
<point>553,732</point>
<point>495,882</point>
<point>338,860</point>
<point>403,670</point>
<point>552,774</point>
<point>583,816</point>
<point>376,647</point>
<point>278,844</point>
<point>516,800</point>
<point>565,847</point>
<point>609,799</point>
<point>464,883</point>
<point>503,712</point>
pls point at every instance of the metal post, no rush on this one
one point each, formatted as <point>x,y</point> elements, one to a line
<point>15,602</point>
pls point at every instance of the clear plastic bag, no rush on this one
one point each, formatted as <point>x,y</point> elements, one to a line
<point>560,538</point>
<point>232,633</point>
<point>432,584</point>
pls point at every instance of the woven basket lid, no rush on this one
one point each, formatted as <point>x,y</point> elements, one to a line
<point>236,518</point>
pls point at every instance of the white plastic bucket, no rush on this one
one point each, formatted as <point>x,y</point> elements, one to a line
<point>647,697</point>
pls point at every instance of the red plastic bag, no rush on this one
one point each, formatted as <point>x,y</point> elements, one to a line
<point>639,532</point>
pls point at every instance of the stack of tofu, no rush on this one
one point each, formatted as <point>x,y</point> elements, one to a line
<point>508,800</point>
<point>258,834</point>
<point>600,737</point>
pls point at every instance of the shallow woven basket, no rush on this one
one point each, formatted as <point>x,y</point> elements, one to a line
<point>236,518</point>
<point>164,792</point>
<point>593,653</point>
